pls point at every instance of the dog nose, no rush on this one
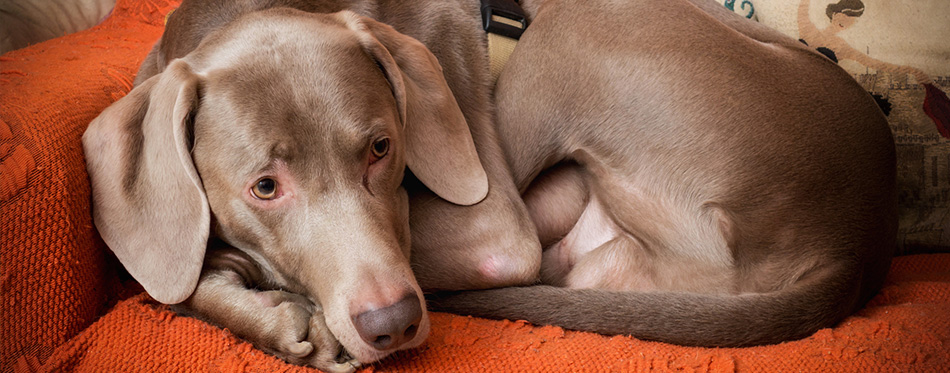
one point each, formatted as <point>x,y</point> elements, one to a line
<point>391,326</point>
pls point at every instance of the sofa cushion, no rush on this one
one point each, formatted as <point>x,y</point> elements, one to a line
<point>26,22</point>
<point>905,328</point>
<point>56,275</point>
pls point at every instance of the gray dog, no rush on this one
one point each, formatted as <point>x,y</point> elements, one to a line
<point>285,128</point>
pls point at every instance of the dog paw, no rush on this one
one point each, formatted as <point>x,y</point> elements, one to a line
<point>301,335</point>
<point>288,325</point>
<point>329,355</point>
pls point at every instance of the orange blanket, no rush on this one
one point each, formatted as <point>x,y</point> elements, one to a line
<point>906,328</point>
<point>57,277</point>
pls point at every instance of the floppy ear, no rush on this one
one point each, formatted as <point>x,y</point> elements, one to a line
<point>439,146</point>
<point>148,201</point>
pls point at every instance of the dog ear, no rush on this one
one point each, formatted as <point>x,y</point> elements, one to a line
<point>148,201</point>
<point>439,146</point>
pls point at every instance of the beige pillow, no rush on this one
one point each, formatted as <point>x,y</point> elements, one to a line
<point>898,50</point>
<point>25,22</point>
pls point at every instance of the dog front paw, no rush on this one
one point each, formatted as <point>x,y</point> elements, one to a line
<point>286,326</point>
<point>329,354</point>
<point>300,334</point>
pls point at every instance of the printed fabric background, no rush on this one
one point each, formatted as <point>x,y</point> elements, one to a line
<point>899,50</point>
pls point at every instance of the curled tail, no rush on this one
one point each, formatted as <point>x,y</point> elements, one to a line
<point>679,318</point>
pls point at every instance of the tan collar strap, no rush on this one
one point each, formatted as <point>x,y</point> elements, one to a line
<point>504,20</point>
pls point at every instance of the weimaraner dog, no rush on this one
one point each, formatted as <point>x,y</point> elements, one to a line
<point>278,138</point>
<point>695,178</point>
<point>271,148</point>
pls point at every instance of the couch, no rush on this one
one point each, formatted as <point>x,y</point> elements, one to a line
<point>67,305</point>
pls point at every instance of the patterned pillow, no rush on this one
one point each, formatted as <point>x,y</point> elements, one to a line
<point>899,50</point>
<point>741,7</point>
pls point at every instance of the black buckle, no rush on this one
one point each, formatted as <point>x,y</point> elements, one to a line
<point>503,8</point>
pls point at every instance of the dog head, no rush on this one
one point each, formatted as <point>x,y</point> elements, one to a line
<point>287,135</point>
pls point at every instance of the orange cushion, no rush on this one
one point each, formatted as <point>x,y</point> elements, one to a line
<point>905,328</point>
<point>56,276</point>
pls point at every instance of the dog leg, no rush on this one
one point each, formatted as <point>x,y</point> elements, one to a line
<point>284,324</point>
<point>486,245</point>
<point>583,246</point>
<point>619,264</point>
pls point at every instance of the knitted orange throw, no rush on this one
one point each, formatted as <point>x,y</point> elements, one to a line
<point>906,328</point>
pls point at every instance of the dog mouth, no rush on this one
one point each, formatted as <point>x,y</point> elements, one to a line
<point>345,359</point>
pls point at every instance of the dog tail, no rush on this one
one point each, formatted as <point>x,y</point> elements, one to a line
<point>817,300</point>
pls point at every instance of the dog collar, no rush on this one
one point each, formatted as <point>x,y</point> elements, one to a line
<point>504,21</point>
<point>169,15</point>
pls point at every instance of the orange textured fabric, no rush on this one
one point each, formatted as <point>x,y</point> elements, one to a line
<point>57,277</point>
<point>905,328</point>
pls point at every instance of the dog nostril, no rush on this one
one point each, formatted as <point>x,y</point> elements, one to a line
<point>383,340</point>
<point>410,332</point>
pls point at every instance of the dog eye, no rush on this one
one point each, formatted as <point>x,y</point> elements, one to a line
<point>265,188</point>
<point>380,148</point>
